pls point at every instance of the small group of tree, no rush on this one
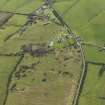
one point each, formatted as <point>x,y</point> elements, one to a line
<point>66,73</point>
<point>44,80</point>
<point>13,87</point>
<point>20,75</point>
<point>102,70</point>
<point>41,51</point>
<point>23,68</point>
<point>31,66</point>
<point>32,19</point>
<point>21,72</point>
<point>102,97</point>
<point>26,48</point>
<point>66,58</point>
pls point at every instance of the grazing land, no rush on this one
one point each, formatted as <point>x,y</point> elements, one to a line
<point>52,52</point>
<point>40,61</point>
<point>93,89</point>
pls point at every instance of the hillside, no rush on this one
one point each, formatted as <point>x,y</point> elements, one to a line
<point>52,52</point>
<point>38,56</point>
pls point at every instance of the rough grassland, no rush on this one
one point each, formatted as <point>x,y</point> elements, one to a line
<point>45,80</point>
<point>52,80</point>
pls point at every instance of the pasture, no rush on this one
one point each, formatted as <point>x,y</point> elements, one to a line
<point>50,79</point>
<point>93,92</point>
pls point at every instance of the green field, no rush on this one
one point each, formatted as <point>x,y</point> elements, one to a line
<point>94,87</point>
<point>86,19</point>
<point>93,54</point>
<point>21,6</point>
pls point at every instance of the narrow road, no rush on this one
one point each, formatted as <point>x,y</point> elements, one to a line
<point>76,97</point>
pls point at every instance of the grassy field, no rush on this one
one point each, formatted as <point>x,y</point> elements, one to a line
<point>45,80</point>
<point>94,87</point>
<point>93,54</point>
